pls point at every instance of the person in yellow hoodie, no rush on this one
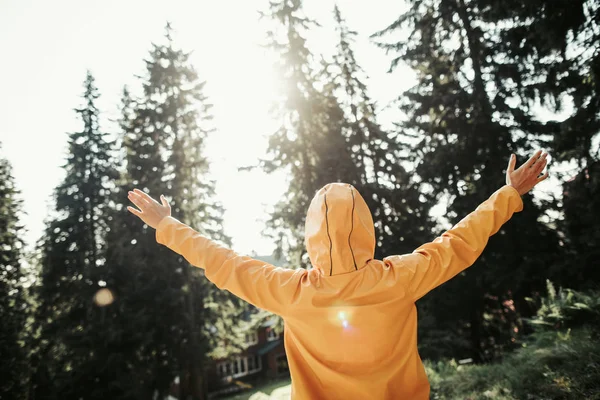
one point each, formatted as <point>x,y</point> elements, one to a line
<point>350,321</point>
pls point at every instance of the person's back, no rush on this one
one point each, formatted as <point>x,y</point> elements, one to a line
<point>351,321</point>
<point>356,341</point>
<point>350,330</point>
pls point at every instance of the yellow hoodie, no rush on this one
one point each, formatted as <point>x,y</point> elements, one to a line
<point>351,321</point>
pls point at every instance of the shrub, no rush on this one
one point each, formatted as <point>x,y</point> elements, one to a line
<point>566,308</point>
<point>560,360</point>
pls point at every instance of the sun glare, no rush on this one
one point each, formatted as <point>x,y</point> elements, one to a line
<point>228,49</point>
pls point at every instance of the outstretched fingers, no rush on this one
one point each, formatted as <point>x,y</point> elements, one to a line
<point>145,196</point>
<point>540,165</point>
<point>164,201</point>
<point>512,162</point>
<point>541,178</point>
<point>134,211</point>
<point>537,168</point>
<point>533,159</point>
<point>137,200</point>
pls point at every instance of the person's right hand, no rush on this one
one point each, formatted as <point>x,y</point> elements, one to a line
<point>528,174</point>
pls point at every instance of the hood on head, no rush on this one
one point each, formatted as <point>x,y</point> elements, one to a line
<point>339,231</point>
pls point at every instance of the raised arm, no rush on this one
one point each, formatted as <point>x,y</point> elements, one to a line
<point>458,248</point>
<point>263,285</point>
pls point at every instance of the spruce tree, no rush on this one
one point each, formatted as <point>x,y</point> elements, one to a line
<point>548,59</point>
<point>548,51</point>
<point>466,134</point>
<point>380,159</point>
<point>581,198</point>
<point>72,258</point>
<point>303,112</point>
<point>330,133</point>
<point>13,296</point>
<point>174,307</point>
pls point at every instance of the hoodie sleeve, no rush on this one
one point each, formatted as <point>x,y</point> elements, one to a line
<point>457,249</point>
<point>260,284</point>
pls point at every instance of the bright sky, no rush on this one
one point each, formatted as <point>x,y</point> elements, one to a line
<point>49,45</point>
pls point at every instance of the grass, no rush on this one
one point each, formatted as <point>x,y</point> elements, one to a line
<point>552,365</point>
<point>560,361</point>
<point>275,390</point>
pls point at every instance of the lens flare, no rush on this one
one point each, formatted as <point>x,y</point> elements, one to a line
<point>343,317</point>
<point>104,297</point>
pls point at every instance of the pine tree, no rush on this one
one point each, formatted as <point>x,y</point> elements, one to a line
<point>378,157</point>
<point>13,298</point>
<point>466,133</point>
<point>330,133</point>
<point>72,255</point>
<point>174,307</point>
<point>549,52</point>
<point>557,68</point>
<point>303,112</point>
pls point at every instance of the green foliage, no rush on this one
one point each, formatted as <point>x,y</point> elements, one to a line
<point>330,133</point>
<point>463,117</point>
<point>14,307</point>
<point>72,259</point>
<point>561,360</point>
<point>566,308</point>
<point>550,366</point>
<point>547,54</point>
<point>581,199</point>
<point>550,56</point>
<point>170,315</point>
<point>377,156</point>
<point>483,69</point>
<point>304,113</point>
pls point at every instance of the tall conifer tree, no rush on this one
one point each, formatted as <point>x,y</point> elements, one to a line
<point>13,298</point>
<point>467,131</point>
<point>330,133</point>
<point>302,109</point>
<point>379,157</point>
<point>547,57</point>
<point>72,257</point>
<point>173,305</point>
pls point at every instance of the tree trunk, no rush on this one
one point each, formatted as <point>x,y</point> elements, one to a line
<point>483,102</point>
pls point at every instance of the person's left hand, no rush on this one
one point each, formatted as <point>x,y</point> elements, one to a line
<point>150,211</point>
